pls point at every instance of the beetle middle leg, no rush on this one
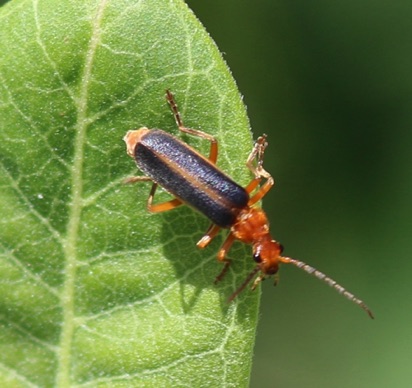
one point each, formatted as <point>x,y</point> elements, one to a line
<point>159,207</point>
<point>209,236</point>
<point>195,132</point>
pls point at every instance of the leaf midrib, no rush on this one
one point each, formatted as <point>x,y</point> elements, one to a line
<point>75,208</point>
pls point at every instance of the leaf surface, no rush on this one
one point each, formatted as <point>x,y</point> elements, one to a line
<point>94,289</point>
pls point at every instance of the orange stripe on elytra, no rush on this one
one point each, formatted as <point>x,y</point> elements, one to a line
<point>207,189</point>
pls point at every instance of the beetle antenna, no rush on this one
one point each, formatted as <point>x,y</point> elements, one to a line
<point>330,282</point>
<point>244,284</point>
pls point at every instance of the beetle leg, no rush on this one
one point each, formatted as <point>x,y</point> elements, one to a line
<point>258,171</point>
<point>253,184</point>
<point>264,189</point>
<point>213,142</point>
<point>134,179</point>
<point>257,281</point>
<point>208,237</point>
<point>161,207</point>
<point>258,152</point>
<point>221,256</point>
<point>195,132</point>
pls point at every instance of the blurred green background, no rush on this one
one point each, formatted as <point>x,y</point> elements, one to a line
<point>331,84</point>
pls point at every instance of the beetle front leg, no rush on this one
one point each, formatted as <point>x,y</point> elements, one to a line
<point>221,256</point>
<point>258,171</point>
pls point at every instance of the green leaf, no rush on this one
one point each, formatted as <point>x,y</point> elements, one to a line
<point>94,290</point>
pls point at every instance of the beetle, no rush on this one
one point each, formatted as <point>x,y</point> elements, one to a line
<point>196,181</point>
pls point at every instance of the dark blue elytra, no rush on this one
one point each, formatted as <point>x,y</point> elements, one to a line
<point>190,177</point>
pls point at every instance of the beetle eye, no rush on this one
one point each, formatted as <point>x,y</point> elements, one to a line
<point>281,247</point>
<point>256,257</point>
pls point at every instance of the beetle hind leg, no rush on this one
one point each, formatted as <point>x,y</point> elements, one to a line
<point>195,132</point>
